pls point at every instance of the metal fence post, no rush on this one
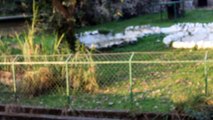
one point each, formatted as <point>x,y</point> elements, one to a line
<point>14,77</point>
<point>130,79</point>
<point>67,80</point>
<point>206,73</point>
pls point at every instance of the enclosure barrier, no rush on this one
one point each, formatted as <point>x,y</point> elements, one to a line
<point>146,81</point>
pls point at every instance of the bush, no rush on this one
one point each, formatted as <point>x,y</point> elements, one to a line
<point>83,76</point>
<point>36,82</point>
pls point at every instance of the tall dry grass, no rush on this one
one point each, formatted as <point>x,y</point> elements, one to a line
<point>83,76</point>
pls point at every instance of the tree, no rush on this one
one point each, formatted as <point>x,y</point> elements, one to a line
<point>67,9</point>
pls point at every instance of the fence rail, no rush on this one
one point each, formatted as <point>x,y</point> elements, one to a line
<point>146,81</point>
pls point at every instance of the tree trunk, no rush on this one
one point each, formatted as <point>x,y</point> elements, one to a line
<point>67,27</point>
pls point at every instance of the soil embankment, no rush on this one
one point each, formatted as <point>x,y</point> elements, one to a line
<point>12,24</point>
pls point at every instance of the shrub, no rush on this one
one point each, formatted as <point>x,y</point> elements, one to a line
<point>83,76</point>
<point>36,82</point>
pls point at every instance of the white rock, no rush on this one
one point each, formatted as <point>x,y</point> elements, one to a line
<point>119,36</point>
<point>210,37</point>
<point>95,32</point>
<point>204,44</point>
<point>184,45</point>
<point>170,30</point>
<point>182,35</point>
<point>167,40</point>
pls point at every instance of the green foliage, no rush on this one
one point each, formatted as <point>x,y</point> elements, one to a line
<point>200,107</point>
<point>28,45</point>
<point>34,79</point>
<point>4,49</point>
<point>31,46</point>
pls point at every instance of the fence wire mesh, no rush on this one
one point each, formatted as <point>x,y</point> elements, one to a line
<point>137,81</point>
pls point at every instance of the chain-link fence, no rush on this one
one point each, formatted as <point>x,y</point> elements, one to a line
<point>155,81</point>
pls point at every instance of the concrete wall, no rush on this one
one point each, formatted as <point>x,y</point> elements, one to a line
<point>189,4</point>
<point>210,3</point>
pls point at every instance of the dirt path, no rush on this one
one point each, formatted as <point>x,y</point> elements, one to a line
<point>12,27</point>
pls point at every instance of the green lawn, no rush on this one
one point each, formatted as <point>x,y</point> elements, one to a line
<point>154,42</point>
<point>156,86</point>
<point>177,83</point>
<point>200,15</point>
